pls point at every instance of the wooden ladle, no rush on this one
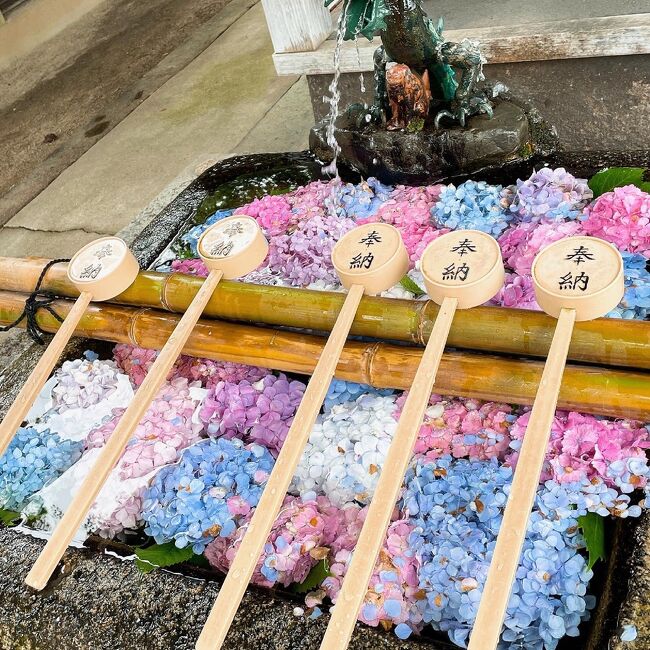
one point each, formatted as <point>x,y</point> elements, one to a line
<point>576,279</point>
<point>230,248</point>
<point>368,259</point>
<point>101,270</point>
<point>462,269</point>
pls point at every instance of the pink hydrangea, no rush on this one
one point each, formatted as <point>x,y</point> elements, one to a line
<point>521,243</point>
<point>583,446</point>
<point>135,362</point>
<point>261,412</point>
<point>210,372</point>
<point>191,267</point>
<point>409,210</point>
<point>273,214</point>
<point>394,590</point>
<point>299,539</point>
<point>517,292</point>
<point>464,428</point>
<point>621,217</point>
<point>163,432</point>
<point>309,201</point>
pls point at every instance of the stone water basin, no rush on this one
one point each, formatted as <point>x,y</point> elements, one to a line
<point>99,601</point>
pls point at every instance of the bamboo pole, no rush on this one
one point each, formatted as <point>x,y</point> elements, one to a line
<point>602,391</point>
<point>607,341</point>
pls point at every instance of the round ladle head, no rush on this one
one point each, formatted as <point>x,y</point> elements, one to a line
<point>580,273</point>
<point>373,256</point>
<point>235,246</point>
<point>466,265</point>
<point>104,268</point>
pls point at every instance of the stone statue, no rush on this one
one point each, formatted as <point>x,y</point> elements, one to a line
<point>433,116</point>
<point>410,38</point>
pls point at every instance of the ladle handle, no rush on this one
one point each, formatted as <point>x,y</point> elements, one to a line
<point>241,570</point>
<point>36,380</point>
<point>355,585</point>
<point>505,560</point>
<point>113,449</point>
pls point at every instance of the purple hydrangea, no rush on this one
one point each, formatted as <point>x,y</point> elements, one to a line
<point>551,194</point>
<point>261,412</point>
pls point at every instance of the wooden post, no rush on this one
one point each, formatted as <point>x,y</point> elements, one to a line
<point>297,25</point>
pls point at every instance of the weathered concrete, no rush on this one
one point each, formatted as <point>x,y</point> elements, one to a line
<point>210,106</point>
<point>22,242</point>
<point>285,127</point>
<point>103,603</point>
<point>58,101</point>
<point>595,104</point>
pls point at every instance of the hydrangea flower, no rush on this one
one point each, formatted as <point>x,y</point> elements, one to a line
<point>551,194</point>
<point>273,214</point>
<point>518,291</point>
<point>621,217</point>
<point>521,243</point>
<point>32,460</point>
<point>192,236</point>
<point>207,493</point>
<point>394,596</point>
<point>359,201</point>
<point>260,412</point>
<point>304,256</point>
<point>165,430</point>
<point>300,537</point>
<point>191,267</point>
<point>135,362</point>
<point>346,450</point>
<point>463,428</point>
<point>636,301</point>
<point>347,391</point>
<point>456,508</point>
<point>82,383</point>
<point>586,447</point>
<point>474,205</point>
<point>309,201</point>
<point>409,210</point>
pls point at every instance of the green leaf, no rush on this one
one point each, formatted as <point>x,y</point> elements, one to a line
<point>608,179</point>
<point>409,285</point>
<point>9,517</point>
<point>315,577</point>
<point>161,555</point>
<point>592,526</point>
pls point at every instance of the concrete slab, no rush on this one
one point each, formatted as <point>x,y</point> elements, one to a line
<point>211,106</point>
<point>21,242</point>
<point>285,127</point>
<point>66,95</point>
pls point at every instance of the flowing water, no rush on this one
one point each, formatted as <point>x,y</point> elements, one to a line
<point>334,98</point>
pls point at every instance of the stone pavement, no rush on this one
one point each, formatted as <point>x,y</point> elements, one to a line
<point>228,100</point>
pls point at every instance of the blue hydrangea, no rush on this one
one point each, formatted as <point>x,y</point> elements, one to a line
<point>191,237</point>
<point>32,461</point>
<point>347,391</point>
<point>474,206</point>
<point>457,507</point>
<point>358,201</point>
<point>636,301</point>
<point>207,493</point>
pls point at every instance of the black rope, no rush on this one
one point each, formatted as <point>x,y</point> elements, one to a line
<point>37,299</point>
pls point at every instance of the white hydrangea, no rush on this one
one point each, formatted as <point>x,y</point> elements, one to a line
<point>346,450</point>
